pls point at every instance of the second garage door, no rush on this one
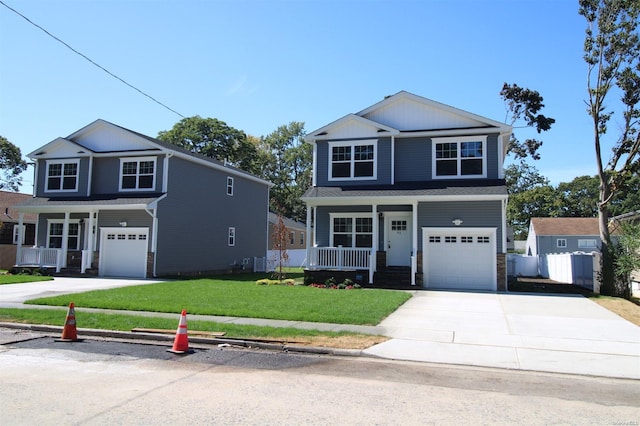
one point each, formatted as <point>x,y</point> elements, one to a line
<point>123,252</point>
<point>459,258</point>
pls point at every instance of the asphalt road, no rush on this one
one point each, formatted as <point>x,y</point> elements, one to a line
<point>118,382</point>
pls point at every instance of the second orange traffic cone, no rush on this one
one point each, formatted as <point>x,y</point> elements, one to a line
<point>181,342</point>
<point>69,332</point>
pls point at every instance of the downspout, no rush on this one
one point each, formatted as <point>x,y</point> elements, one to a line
<point>308,239</point>
<point>314,165</point>
<point>504,242</point>
<point>375,242</point>
<point>89,180</point>
<point>393,161</point>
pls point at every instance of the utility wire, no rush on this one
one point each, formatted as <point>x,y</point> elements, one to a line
<point>89,59</point>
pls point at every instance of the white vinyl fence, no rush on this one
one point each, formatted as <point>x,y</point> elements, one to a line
<point>571,268</point>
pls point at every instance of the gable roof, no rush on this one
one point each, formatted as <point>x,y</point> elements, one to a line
<point>90,141</point>
<point>578,226</point>
<point>407,114</point>
<point>7,211</point>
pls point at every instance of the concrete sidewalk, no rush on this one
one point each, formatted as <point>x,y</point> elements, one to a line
<point>537,332</point>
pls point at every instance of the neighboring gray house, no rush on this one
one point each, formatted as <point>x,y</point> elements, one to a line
<point>548,235</point>
<point>413,186</point>
<point>125,204</point>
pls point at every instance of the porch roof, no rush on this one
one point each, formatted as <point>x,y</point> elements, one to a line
<point>83,204</point>
<point>412,191</point>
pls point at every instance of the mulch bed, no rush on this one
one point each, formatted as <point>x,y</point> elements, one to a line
<point>544,285</point>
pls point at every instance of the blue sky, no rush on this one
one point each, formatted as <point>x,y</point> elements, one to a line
<point>260,64</point>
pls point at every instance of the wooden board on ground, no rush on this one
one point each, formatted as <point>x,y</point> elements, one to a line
<point>191,332</point>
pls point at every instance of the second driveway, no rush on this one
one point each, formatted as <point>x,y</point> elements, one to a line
<point>555,333</point>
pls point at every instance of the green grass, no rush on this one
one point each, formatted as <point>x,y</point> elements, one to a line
<point>239,296</point>
<point>18,279</point>
<point>127,322</point>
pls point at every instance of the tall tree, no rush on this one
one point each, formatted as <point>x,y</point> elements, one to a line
<point>523,110</point>
<point>285,160</point>
<point>11,165</point>
<point>530,195</point>
<point>612,54</point>
<point>213,138</point>
<point>578,198</point>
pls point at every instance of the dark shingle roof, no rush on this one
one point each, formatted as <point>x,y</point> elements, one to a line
<point>101,200</point>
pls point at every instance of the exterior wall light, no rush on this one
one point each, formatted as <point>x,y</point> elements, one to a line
<point>457,222</point>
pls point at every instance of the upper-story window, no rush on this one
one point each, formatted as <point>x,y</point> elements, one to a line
<point>62,175</point>
<point>137,174</point>
<point>229,185</point>
<point>460,157</point>
<point>352,160</point>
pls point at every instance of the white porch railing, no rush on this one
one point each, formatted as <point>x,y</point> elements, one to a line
<point>41,257</point>
<point>339,258</point>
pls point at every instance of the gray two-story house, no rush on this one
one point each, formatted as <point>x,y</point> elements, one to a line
<point>410,185</point>
<point>125,204</point>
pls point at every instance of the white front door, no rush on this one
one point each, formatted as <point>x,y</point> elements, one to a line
<point>398,236</point>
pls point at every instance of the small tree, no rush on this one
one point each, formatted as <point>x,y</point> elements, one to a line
<point>11,165</point>
<point>280,236</point>
<point>626,250</point>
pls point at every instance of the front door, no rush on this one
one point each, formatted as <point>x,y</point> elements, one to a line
<point>398,236</point>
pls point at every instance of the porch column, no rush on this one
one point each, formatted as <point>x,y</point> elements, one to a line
<point>65,238</point>
<point>308,239</point>
<point>375,239</point>
<point>19,248</point>
<point>414,244</point>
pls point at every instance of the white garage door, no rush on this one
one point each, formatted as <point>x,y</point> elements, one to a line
<point>459,258</point>
<point>123,252</point>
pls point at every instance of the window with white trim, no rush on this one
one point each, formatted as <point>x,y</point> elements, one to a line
<point>561,243</point>
<point>292,237</point>
<point>351,230</point>
<point>459,157</point>
<point>232,236</point>
<point>54,234</point>
<point>62,175</point>
<point>229,185</point>
<point>352,160</point>
<point>18,233</point>
<point>138,174</point>
<point>587,244</point>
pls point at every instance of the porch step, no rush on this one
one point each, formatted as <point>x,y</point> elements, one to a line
<point>75,272</point>
<point>393,277</point>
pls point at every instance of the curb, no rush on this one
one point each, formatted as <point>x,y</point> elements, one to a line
<point>149,337</point>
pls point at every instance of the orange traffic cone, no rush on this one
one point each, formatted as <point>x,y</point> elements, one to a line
<point>69,332</point>
<point>181,342</point>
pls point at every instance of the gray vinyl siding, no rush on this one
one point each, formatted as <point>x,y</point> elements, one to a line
<point>83,177</point>
<point>195,216</point>
<point>474,214</point>
<point>383,165</point>
<point>106,175</point>
<point>549,244</point>
<point>414,159</point>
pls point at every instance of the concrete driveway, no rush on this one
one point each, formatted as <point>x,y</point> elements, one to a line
<point>543,332</point>
<point>18,293</point>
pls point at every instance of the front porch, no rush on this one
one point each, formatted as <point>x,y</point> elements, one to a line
<point>361,265</point>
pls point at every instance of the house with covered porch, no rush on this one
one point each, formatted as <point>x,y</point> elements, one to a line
<point>412,190</point>
<point>119,203</point>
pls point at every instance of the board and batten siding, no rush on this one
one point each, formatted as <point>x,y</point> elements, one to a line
<point>474,214</point>
<point>195,216</point>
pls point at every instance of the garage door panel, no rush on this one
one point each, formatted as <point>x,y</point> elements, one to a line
<point>123,252</point>
<point>459,258</point>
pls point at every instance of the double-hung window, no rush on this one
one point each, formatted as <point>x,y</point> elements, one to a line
<point>351,230</point>
<point>229,185</point>
<point>352,160</point>
<point>55,234</point>
<point>62,175</point>
<point>459,157</point>
<point>137,174</point>
<point>231,237</point>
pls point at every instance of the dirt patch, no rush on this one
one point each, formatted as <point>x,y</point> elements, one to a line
<point>359,341</point>
<point>629,310</point>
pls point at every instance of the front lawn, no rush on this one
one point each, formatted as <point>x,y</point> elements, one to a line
<point>18,279</point>
<point>239,296</point>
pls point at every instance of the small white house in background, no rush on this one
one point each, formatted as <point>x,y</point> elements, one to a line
<point>548,235</point>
